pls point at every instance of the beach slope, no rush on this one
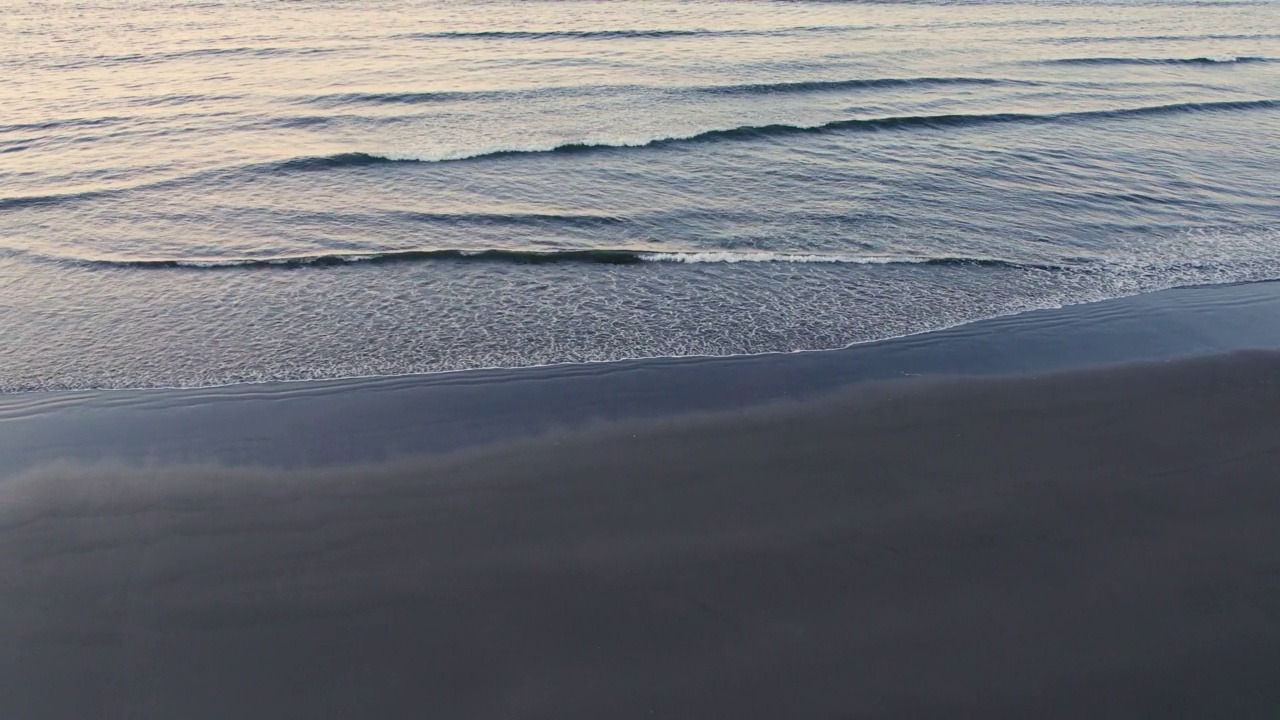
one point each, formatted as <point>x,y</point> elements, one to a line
<point>1103,542</point>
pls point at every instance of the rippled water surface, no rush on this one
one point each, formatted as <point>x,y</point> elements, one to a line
<point>212,192</point>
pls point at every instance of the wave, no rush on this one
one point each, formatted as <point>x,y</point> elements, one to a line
<point>361,159</point>
<point>1159,38</point>
<point>22,201</point>
<point>1205,60</point>
<point>540,257</point>
<point>402,98</point>
<point>160,57</point>
<point>620,34</point>
<point>69,122</point>
<point>758,131</point>
<point>351,159</point>
<point>561,34</point>
<point>800,86</point>
<point>731,257</point>
<point>854,84</point>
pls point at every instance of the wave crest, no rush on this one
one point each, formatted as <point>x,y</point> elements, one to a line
<point>1205,60</point>
<point>598,256</point>
<point>623,33</point>
<point>799,86</point>
<point>774,130</point>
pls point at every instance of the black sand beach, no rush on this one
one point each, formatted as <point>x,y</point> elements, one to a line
<point>578,360</point>
<point>1097,542</point>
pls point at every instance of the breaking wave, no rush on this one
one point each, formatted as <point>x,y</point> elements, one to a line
<point>800,86</point>
<point>1205,60</point>
<point>757,131</point>
<point>558,34</point>
<point>745,132</point>
<point>601,257</point>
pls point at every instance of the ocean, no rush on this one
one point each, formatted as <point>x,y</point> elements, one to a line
<point>203,193</point>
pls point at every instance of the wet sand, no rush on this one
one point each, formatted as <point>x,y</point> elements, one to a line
<point>1102,542</point>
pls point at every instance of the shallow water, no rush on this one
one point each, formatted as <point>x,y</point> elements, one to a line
<point>202,193</point>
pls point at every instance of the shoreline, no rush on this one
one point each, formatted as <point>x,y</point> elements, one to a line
<point>983,324</point>
<point>369,419</point>
<point>1059,514</point>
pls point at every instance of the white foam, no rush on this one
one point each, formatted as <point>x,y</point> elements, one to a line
<point>764,257</point>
